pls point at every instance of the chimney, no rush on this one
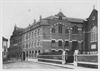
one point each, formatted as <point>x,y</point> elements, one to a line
<point>40,17</point>
<point>34,21</point>
<point>15,27</point>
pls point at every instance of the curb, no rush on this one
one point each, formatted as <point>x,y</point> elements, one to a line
<point>65,66</point>
<point>69,65</point>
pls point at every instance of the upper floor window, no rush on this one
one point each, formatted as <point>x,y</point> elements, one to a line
<point>94,34</point>
<point>59,43</point>
<point>66,43</point>
<point>66,31</point>
<point>75,29</point>
<point>53,41</point>
<point>38,31</point>
<point>53,30</point>
<point>26,36</point>
<point>60,28</point>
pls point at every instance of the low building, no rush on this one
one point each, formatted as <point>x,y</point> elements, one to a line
<point>4,47</point>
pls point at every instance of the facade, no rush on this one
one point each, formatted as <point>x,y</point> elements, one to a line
<point>4,47</point>
<point>58,33</point>
<point>53,33</point>
<point>91,33</point>
<point>15,48</point>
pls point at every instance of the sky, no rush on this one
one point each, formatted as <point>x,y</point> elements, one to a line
<point>23,12</point>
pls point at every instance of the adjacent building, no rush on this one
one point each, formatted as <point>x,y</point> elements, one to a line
<point>91,33</point>
<point>4,47</point>
<point>15,49</point>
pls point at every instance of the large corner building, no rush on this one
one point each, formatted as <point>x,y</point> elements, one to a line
<point>58,33</point>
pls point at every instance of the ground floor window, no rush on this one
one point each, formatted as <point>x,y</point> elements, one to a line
<point>59,43</point>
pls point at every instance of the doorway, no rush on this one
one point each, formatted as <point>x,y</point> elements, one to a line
<point>23,56</point>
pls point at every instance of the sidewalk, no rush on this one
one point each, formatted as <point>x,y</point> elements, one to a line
<point>12,61</point>
<point>69,65</point>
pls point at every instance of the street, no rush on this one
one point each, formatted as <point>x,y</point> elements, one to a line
<point>30,65</point>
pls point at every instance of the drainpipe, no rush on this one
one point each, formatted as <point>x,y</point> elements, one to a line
<point>63,57</point>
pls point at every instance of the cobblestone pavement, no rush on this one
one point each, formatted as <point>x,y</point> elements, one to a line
<point>29,65</point>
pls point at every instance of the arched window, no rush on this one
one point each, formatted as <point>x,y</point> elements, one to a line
<point>60,28</point>
<point>59,43</point>
<point>53,30</point>
<point>94,34</point>
<point>75,29</point>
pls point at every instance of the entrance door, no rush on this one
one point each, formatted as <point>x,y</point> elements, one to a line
<point>70,57</point>
<point>23,56</point>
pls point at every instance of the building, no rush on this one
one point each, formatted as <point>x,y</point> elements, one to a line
<point>4,47</point>
<point>15,48</point>
<point>91,33</point>
<point>57,33</point>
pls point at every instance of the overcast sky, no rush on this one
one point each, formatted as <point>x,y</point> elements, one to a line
<point>23,12</point>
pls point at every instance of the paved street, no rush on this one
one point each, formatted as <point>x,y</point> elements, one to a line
<point>30,65</point>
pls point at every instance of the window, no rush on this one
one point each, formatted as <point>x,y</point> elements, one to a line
<point>26,36</point>
<point>66,31</point>
<point>94,34</point>
<point>93,18</point>
<point>53,41</point>
<point>75,29</point>
<point>53,30</point>
<point>60,28</point>
<point>27,54</point>
<point>32,51</point>
<point>66,43</point>
<point>38,31</point>
<point>60,17</point>
<point>60,43</point>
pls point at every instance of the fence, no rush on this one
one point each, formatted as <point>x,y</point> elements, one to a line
<point>50,58</point>
<point>86,60</point>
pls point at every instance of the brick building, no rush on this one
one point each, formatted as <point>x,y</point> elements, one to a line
<point>91,33</point>
<point>58,33</point>
<point>15,48</point>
